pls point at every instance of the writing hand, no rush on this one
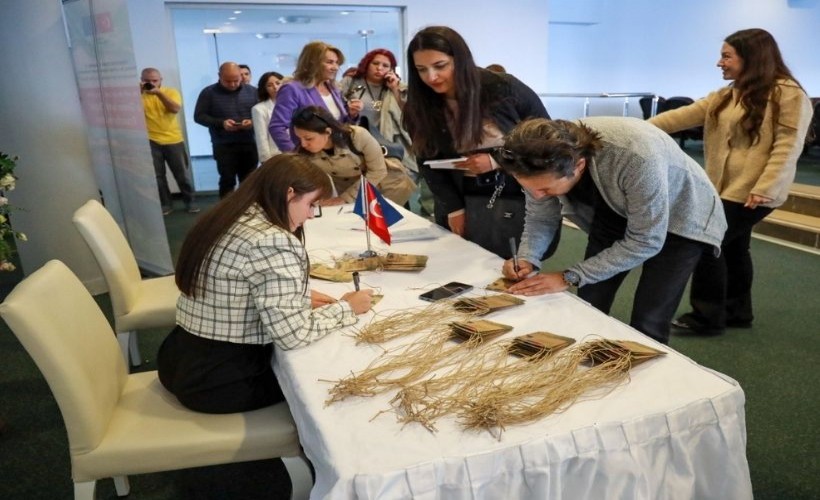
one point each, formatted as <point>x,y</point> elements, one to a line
<point>525,268</point>
<point>359,301</point>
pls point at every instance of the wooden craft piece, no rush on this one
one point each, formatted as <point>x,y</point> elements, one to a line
<point>539,344</point>
<point>487,304</point>
<point>500,285</point>
<point>324,272</point>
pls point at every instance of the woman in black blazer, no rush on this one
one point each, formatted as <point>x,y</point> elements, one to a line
<point>456,109</point>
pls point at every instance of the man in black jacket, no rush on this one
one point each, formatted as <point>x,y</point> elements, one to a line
<point>225,108</point>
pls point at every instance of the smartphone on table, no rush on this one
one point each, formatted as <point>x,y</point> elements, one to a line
<point>451,289</point>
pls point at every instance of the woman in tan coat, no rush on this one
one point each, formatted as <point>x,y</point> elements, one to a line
<point>754,131</point>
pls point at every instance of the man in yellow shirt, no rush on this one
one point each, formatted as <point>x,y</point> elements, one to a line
<point>161,105</point>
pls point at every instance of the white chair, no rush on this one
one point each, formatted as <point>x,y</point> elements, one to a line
<point>138,303</point>
<point>121,424</point>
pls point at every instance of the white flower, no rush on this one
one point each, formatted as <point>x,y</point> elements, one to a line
<point>3,201</point>
<point>7,182</point>
<point>21,236</point>
<point>7,266</point>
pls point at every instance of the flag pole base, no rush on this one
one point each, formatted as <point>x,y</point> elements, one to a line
<point>368,253</point>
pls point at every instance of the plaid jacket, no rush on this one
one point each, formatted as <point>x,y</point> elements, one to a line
<point>255,290</point>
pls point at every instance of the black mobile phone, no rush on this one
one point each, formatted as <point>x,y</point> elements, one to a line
<point>451,289</point>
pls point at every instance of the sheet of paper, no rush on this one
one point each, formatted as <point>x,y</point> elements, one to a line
<point>445,164</point>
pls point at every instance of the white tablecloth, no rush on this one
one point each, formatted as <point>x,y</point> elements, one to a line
<point>675,430</point>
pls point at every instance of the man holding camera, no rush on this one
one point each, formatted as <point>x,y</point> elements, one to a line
<point>225,108</point>
<point>161,105</point>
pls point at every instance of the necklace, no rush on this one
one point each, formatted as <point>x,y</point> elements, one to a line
<point>377,103</point>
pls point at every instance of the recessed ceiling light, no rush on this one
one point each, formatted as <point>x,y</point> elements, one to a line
<point>345,12</point>
<point>237,12</point>
<point>211,31</point>
<point>294,20</point>
<point>232,18</point>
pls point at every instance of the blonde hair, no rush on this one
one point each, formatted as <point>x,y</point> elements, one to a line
<point>309,66</point>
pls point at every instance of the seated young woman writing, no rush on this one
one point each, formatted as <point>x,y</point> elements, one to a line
<point>243,274</point>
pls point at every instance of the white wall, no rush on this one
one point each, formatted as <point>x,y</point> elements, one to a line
<point>497,33</point>
<point>669,47</point>
<point>42,122</point>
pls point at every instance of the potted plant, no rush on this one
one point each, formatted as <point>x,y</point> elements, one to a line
<point>7,234</point>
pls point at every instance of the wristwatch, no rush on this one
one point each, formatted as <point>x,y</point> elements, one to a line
<point>571,278</point>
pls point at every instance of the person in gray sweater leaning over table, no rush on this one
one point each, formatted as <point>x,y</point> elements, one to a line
<point>640,198</point>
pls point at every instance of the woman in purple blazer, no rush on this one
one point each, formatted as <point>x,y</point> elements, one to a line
<point>312,85</point>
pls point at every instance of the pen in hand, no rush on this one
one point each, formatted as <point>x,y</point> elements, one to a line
<point>514,251</point>
<point>356,280</point>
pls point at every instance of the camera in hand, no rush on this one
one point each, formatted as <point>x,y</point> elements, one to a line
<point>147,86</point>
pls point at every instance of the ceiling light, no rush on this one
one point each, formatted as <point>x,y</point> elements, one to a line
<point>268,35</point>
<point>237,12</point>
<point>232,18</point>
<point>345,12</point>
<point>211,31</point>
<point>294,20</point>
<point>364,33</point>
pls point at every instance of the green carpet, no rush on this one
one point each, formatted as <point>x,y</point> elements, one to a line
<point>773,361</point>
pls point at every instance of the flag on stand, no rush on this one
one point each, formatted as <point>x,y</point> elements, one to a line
<point>380,213</point>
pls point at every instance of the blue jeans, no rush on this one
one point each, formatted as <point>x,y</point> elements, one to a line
<point>661,285</point>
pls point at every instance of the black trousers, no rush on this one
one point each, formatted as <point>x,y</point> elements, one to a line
<point>721,289</point>
<point>660,287</point>
<point>234,162</point>
<point>211,376</point>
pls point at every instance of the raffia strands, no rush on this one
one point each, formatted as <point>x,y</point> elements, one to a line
<point>538,391</point>
<point>428,400</point>
<point>401,366</point>
<point>434,318</point>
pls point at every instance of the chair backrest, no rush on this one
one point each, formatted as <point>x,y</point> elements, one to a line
<point>71,341</point>
<point>646,106</point>
<point>116,259</point>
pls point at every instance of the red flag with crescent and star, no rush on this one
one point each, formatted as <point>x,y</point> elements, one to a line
<point>380,213</point>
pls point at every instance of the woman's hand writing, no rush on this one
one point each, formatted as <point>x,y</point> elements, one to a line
<point>359,301</point>
<point>525,268</point>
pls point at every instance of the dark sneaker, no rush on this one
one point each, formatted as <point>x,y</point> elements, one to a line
<point>193,209</point>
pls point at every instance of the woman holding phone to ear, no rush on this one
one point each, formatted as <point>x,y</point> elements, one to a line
<point>454,108</point>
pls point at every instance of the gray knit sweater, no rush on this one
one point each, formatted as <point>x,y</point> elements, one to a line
<point>644,176</point>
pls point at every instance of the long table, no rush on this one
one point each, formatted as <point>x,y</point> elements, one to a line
<point>674,430</point>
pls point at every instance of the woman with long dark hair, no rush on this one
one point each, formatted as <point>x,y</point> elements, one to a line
<point>455,109</point>
<point>243,274</point>
<point>343,152</point>
<point>267,89</point>
<point>754,131</point>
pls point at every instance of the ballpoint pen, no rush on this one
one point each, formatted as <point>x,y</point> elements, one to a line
<point>340,209</point>
<point>356,280</point>
<point>514,251</point>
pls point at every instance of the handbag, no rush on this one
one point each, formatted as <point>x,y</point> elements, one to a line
<point>389,148</point>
